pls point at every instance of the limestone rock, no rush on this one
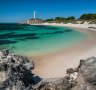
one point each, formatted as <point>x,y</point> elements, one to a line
<point>15,71</point>
<point>16,74</point>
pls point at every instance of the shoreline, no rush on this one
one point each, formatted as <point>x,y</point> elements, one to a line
<point>80,26</point>
<point>55,64</point>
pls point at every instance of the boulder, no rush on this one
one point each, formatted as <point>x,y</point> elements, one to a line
<point>15,71</point>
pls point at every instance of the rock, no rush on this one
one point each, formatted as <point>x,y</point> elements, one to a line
<point>2,76</point>
<point>88,70</point>
<point>86,79</point>
<point>16,74</point>
<point>16,71</point>
<point>55,84</point>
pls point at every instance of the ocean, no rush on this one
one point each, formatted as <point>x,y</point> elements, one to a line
<point>38,39</point>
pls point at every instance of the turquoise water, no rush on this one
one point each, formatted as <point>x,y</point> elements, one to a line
<point>36,40</point>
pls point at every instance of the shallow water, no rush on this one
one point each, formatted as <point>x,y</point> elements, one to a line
<point>36,40</point>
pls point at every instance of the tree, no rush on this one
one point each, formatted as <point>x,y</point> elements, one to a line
<point>88,17</point>
<point>71,18</point>
<point>59,18</point>
<point>50,19</point>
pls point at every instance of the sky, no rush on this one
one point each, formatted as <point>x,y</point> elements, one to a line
<point>20,10</point>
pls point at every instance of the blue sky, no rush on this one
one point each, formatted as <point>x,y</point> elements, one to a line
<point>19,10</point>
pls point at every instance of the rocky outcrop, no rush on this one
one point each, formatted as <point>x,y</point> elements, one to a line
<point>16,74</point>
<point>33,21</point>
<point>15,71</point>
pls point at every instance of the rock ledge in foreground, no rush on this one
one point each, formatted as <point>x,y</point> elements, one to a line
<point>16,74</point>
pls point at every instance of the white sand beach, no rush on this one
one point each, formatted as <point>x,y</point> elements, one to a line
<point>55,64</point>
<point>85,25</point>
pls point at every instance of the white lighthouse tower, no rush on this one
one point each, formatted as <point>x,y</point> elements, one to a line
<point>34,14</point>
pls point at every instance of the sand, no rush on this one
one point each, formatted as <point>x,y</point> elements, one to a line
<point>55,64</point>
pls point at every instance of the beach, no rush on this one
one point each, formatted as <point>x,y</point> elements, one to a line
<point>53,47</point>
<point>55,64</point>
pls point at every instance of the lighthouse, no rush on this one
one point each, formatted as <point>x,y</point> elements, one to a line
<point>34,14</point>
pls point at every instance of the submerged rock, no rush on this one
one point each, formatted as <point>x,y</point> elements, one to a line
<point>16,74</point>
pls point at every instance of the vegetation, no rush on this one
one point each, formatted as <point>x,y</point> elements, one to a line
<point>60,19</point>
<point>91,18</point>
<point>72,19</point>
<point>88,17</point>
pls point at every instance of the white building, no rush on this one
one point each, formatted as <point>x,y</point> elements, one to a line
<point>34,14</point>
